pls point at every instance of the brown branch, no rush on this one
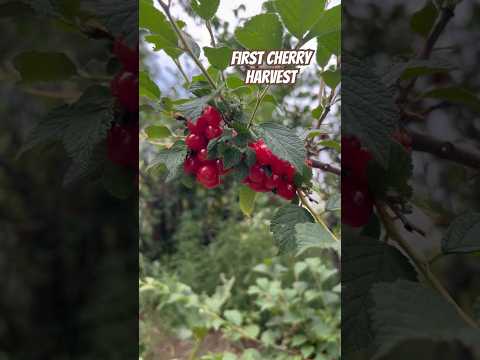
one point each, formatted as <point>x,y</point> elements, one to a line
<point>325,167</point>
<point>444,150</point>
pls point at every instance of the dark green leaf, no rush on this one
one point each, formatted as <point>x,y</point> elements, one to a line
<point>147,87</point>
<point>206,9</point>
<point>172,159</point>
<point>193,108</point>
<point>155,132</point>
<point>455,94</point>
<point>283,225</point>
<point>331,77</point>
<point>368,110</point>
<point>44,66</point>
<point>299,15</point>
<point>365,262</point>
<point>231,157</point>
<point>422,20</point>
<point>312,235</point>
<point>284,143</point>
<point>327,30</point>
<point>463,235</point>
<point>261,32</point>
<point>218,57</point>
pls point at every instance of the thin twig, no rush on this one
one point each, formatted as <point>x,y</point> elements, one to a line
<point>185,44</point>
<point>317,218</point>
<point>325,167</point>
<point>179,66</point>
<point>257,104</point>
<point>420,264</point>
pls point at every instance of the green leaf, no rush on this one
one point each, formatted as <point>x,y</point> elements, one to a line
<point>206,9</point>
<point>323,55</point>
<point>118,180</point>
<point>368,110</point>
<point>283,225</point>
<point>334,202</point>
<point>332,144</point>
<point>365,262</point>
<point>44,66</point>
<point>422,20</point>
<point>331,77</point>
<point>219,57</point>
<point>234,316</point>
<point>247,199</point>
<point>163,35</point>
<point>147,87</point>
<point>463,235</point>
<point>193,108</point>
<point>252,330</point>
<point>310,235</point>
<point>231,157</point>
<point>120,17</point>
<point>327,30</point>
<point>406,317</point>
<point>284,143</point>
<point>261,32</point>
<point>299,15</point>
<point>455,94</point>
<point>172,158</point>
<point>155,132</point>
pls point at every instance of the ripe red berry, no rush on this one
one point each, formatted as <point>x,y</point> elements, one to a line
<point>257,174</point>
<point>258,187</point>
<point>195,142</point>
<point>124,86</point>
<point>213,116</point>
<point>357,203</point>
<point>354,159</point>
<point>208,176</point>
<point>263,153</point>
<point>122,145</point>
<point>203,155</point>
<point>286,190</point>
<point>271,181</point>
<point>212,132</point>
<point>193,128</point>
<point>127,56</point>
<point>191,165</point>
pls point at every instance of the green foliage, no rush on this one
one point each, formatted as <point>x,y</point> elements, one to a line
<point>300,15</point>
<point>309,235</point>
<point>218,57</point>
<point>172,159</point>
<point>36,66</point>
<point>246,199</point>
<point>147,87</point>
<point>422,20</point>
<point>206,9</point>
<point>261,32</point>
<point>463,235</point>
<point>283,225</point>
<point>455,94</point>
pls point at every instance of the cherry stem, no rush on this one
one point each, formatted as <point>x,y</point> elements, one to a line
<point>422,266</point>
<point>317,218</point>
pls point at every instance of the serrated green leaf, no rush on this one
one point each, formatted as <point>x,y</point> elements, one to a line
<point>422,20</point>
<point>261,32</point>
<point>156,132</point>
<point>218,57</point>
<point>455,94</point>
<point>148,88</point>
<point>231,157</point>
<point>120,17</point>
<point>314,235</point>
<point>299,15</point>
<point>206,9</point>
<point>323,54</point>
<point>327,30</point>
<point>44,66</point>
<point>284,143</point>
<point>331,77</point>
<point>246,199</point>
<point>406,318</point>
<point>368,110</point>
<point>172,158</point>
<point>193,108</point>
<point>463,235</point>
<point>365,262</point>
<point>283,225</point>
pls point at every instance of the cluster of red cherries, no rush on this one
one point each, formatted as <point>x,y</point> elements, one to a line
<point>357,199</point>
<point>122,138</point>
<point>269,173</point>
<point>208,126</point>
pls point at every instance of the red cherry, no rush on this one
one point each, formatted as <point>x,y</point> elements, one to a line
<point>195,142</point>
<point>213,132</point>
<point>203,155</point>
<point>256,186</point>
<point>354,158</point>
<point>122,145</point>
<point>213,116</point>
<point>289,172</point>
<point>193,128</point>
<point>357,203</point>
<point>286,190</point>
<point>263,154</point>
<point>257,174</point>
<point>281,167</point>
<point>127,56</point>
<point>191,165</point>
<point>271,182</point>
<point>208,176</point>
<point>124,86</point>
